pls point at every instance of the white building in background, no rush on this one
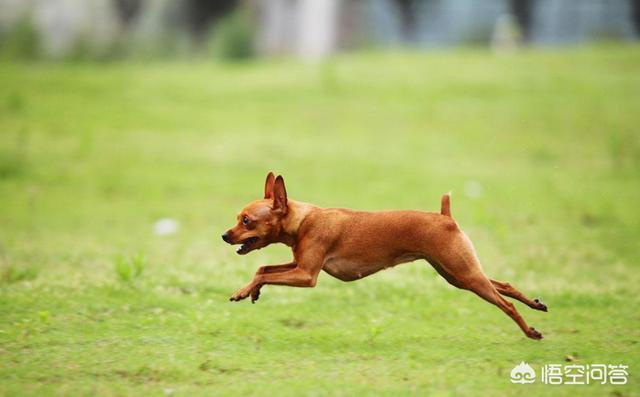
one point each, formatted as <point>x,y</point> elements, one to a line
<point>285,25</point>
<point>63,23</point>
<point>305,27</point>
<point>313,29</point>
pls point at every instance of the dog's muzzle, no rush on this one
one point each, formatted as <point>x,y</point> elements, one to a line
<point>226,237</point>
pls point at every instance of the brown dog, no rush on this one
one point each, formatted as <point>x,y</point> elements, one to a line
<point>350,245</point>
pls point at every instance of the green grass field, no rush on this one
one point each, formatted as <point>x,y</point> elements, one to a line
<point>541,150</point>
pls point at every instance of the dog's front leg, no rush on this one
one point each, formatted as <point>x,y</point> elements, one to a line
<point>302,272</point>
<point>275,268</point>
<point>253,287</point>
<point>255,292</point>
<point>296,277</point>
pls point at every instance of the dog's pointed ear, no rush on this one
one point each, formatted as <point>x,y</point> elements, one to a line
<point>279,195</point>
<point>268,186</point>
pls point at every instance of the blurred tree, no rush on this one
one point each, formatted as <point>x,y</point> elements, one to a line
<point>635,15</point>
<point>522,10</point>
<point>407,13</point>
<point>127,10</point>
<point>200,14</point>
<point>21,41</point>
<point>232,38</point>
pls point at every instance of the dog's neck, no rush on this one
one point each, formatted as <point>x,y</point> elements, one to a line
<point>297,212</point>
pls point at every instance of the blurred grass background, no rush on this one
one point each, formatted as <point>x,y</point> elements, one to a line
<point>540,148</point>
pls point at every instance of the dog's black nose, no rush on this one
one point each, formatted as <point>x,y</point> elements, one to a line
<point>225,237</point>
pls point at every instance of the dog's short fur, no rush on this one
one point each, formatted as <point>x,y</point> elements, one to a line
<point>350,245</point>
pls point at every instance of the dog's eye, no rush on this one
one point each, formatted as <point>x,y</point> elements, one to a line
<point>245,220</point>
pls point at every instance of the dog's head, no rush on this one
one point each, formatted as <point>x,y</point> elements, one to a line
<point>260,222</point>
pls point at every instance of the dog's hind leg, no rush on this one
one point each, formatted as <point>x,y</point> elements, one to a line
<point>479,284</point>
<point>507,290</point>
<point>483,287</point>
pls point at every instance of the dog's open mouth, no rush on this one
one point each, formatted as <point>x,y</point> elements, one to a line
<point>247,245</point>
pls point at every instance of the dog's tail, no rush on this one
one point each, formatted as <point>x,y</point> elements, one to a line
<point>445,208</point>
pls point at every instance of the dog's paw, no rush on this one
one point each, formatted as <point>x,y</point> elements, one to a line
<point>540,306</point>
<point>534,334</point>
<point>240,295</point>
<point>255,294</point>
